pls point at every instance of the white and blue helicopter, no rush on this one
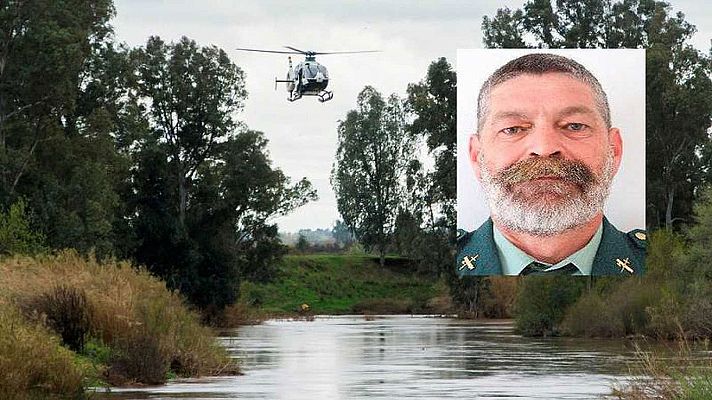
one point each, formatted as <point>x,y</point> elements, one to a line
<point>308,78</point>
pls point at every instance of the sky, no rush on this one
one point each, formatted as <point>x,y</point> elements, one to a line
<point>409,34</point>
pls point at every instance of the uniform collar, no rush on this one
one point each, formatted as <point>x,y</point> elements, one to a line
<point>514,260</point>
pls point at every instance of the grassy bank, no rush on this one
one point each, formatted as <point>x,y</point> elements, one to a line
<point>340,284</point>
<point>686,375</point>
<point>67,322</point>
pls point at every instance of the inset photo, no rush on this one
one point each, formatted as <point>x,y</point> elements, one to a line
<point>551,162</point>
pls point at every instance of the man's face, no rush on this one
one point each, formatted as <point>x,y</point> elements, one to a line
<point>544,154</point>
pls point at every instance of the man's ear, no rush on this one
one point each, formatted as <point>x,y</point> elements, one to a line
<point>616,143</point>
<point>474,151</point>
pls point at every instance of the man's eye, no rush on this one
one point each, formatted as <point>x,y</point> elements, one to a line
<point>575,126</point>
<point>512,130</point>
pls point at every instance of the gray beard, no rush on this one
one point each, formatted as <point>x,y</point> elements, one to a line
<point>545,218</point>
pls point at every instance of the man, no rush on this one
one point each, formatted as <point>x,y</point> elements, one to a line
<point>545,153</point>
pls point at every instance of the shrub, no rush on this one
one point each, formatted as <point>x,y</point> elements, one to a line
<point>500,296</point>
<point>593,317</point>
<point>140,357</point>
<point>542,301</point>
<point>16,236</point>
<point>66,311</point>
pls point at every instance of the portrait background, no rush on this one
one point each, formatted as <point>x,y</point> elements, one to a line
<point>621,72</point>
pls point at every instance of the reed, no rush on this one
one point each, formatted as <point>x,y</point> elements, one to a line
<point>148,329</point>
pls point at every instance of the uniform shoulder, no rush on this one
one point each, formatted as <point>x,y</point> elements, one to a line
<point>638,237</point>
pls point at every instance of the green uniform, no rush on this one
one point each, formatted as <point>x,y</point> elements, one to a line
<point>618,253</point>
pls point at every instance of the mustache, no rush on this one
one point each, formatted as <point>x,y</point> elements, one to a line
<point>572,171</point>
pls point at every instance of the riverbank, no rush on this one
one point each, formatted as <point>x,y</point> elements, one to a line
<point>68,322</point>
<point>340,284</point>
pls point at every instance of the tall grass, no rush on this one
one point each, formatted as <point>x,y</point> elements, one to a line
<point>685,376</point>
<point>33,364</point>
<point>147,328</point>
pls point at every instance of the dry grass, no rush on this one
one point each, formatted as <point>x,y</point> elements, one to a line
<point>33,364</point>
<point>127,306</point>
<point>684,376</point>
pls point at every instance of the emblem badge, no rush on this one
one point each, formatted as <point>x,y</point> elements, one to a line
<point>624,264</point>
<point>469,262</point>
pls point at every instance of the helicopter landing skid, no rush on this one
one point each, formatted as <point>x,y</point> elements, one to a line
<point>325,95</point>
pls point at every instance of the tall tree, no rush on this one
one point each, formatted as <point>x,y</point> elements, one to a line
<point>433,101</point>
<point>43,46</point>
<point>193,93</point>
<point>368,174</point>
<point>57,147</point>
<point>204,189</point>
<point>678,105</point>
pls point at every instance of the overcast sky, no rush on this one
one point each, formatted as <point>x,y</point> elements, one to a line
<point>410,35</point>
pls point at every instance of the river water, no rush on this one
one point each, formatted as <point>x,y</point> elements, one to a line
<point>404,357</point>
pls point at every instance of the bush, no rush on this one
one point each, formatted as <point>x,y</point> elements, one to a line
<point>501,294</point>
<point>140,357</point>
<point>542,301</point>
<point>16,236</point>
<point>591,316</point>
<point>66,311</point>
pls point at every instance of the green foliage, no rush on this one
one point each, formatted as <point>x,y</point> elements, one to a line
<point>542,301</point>
<point>338,284</point>
<point>342,234</point>
<point>16,235</point>
<point>48,151</point>
<point>433,101</point>
<point>204,187</point>
<point>621,309</point>
<point>591,316</point>
<point>371,160</point>
<point>302,244</point>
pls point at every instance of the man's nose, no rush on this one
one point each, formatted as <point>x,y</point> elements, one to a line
<point>545,142</point>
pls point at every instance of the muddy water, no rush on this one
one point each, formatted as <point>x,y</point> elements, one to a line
<point>404,357</point>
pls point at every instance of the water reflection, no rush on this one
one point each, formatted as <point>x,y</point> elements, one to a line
<point>349,357</point>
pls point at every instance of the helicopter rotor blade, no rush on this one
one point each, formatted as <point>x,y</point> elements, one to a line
<point>297,50</point>
<point>268,51</point>
<point>346,52</point>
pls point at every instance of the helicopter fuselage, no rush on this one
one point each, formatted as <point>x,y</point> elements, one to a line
<point>309,77</point>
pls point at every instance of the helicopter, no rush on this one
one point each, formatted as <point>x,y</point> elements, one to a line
<point>308,78</point>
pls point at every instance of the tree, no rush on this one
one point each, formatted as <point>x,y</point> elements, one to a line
<point>43,46</point>
<point>433,101</point>
<point>368,174</point>
<point>193,93</point>
<point>678,106</point>
<point>342,234</point>
<point>16,234</point>
<point>302,244</point>
<point>204,190</point>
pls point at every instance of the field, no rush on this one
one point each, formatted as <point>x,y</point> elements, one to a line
<point>341,284</point>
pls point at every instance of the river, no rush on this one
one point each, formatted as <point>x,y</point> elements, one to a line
<point>403,357</point>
